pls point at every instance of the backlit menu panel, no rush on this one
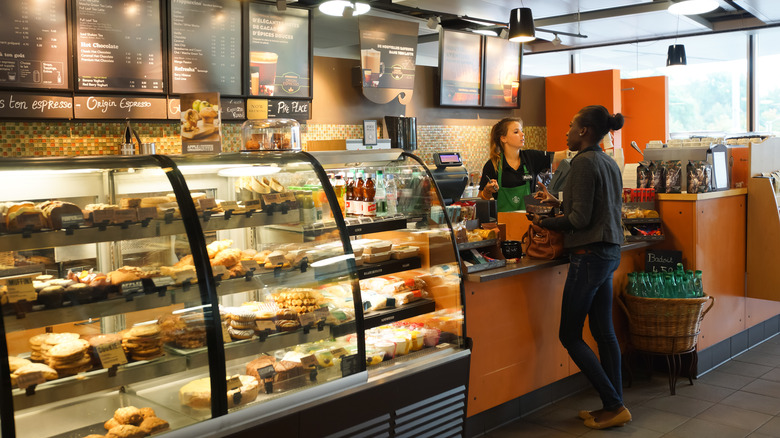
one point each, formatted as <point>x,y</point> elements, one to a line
<point>118,45</point>
<point>206,52</point>
<point>33,44</point>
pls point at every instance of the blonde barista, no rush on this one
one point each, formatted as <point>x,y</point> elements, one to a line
<point>510,173</point>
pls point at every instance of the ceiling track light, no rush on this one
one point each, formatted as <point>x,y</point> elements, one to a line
<point>556,41</point>
<point>281,5</point>
<point>433,22</point>
<point>521,25</point>
<point>693,7</point>
<point>343,8</point>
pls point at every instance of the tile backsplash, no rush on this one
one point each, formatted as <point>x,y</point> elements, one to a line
<point>60,138</point>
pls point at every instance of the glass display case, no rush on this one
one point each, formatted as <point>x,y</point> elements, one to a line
<point>132,282</point>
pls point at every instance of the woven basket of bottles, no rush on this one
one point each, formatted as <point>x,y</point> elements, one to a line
<point>664,325</point>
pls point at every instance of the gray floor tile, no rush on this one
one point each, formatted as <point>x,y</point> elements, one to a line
<point>703,391</point>
<point>627,431</point>
<point>757,357</point>
<point>763,387</point>
<point>727,380</point>
<point>770,428</point>
<point>760,435</point>
<point>773,375</point>
<point>564,420</point>
<point>744,368</point>
<point>767,347</point>
<point>527,429</point>
<point>753,402</point>
<point>675,404</point>
<point>735,417</point>
<point>654,419</point>
<point>695,428</point>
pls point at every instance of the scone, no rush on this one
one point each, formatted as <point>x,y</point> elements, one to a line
<point>126,431</point>
<point>16,362</point>
<point>153,424</point>
<point>129,415</point>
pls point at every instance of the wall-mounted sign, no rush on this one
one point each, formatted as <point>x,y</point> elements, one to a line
<point>230,109</point>
<point>34,45</point>
<point>201,127</point>
<point>206,46</point>
<point>502,73</point>
<point>278,109</point>
<point>388,50</point>
<point>35,106</point>
<point>279,62</point>
<point>110,107</point>
<point>460,68</point>
<point>119,45</point>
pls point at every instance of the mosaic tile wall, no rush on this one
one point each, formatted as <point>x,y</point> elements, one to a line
<point>35,139</point>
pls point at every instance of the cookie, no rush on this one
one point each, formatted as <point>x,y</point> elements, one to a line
<point>145,330</point>
<point>68,350</point>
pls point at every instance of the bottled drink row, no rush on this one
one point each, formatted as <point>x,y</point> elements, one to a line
<point>362,193</point>
<point>675,284</point>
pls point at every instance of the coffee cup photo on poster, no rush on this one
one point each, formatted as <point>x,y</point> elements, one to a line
<point>371,61</point>
<point>262,71</point>
<point>200,123</point>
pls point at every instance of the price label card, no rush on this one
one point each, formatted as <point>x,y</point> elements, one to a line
<point>265,325</point>
<point>29,379</point>
<point>287,196</point>
<point>111,354</point>
<point>253,204</point>
<point>272,198</point>
<point>220,272</point>
<point>207,203</point>
<point>250,265</point>
<point>130,287</point>
<point>229,205</point>
<point>147,213</point>
<point>307,318</point>
<point>20,288</point>
<point>225,334</point>
<point>72,220</point>
<point>125,215</point>
<point>322,313</point>
<point>349,365</point>
<point>309,361</point>
<point>233,383</point>
<point>163,281</point>
<point>187,274</point>
<point>266,372</point>
<point>338,352</point>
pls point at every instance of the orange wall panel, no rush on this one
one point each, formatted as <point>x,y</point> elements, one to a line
<point>567,94</point>
<point>644,103</point>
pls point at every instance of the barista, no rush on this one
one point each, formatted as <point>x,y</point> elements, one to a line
<point>510,173</point>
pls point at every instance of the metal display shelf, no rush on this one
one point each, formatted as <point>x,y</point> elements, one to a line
<point>477,244</point>
<point>381,317</point>
<point>139,230</point>
<point>375,226</point>
<point>98,380</point>
<point>370,270</point>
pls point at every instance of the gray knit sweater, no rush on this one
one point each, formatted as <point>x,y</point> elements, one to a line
<point>592,199</point>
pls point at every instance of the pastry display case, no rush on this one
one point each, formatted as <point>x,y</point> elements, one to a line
<point>134,282</point>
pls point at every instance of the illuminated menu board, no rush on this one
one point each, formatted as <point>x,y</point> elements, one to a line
<point>206,46</point>
<point>33,44</point>
<point>119,45</point>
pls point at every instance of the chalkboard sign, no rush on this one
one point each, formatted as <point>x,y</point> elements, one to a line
<point>35,106</point>
<point>657,260</point>
<point>278,109</point>
<point>108,107</point>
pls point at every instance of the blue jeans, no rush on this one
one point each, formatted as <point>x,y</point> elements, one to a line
<point>588,292</point>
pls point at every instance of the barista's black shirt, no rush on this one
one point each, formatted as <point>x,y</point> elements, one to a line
<point>534,161</point>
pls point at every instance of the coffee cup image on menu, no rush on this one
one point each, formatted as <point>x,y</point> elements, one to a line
<point>262,70</point>
<point>370,59</point>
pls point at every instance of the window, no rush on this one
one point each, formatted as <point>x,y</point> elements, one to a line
<point>767,84</point>
<point>546,64</point>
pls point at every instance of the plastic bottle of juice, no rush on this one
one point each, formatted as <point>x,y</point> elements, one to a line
<point>349,199</point>
<point>340,188</point>
<point>391,194</point>
<point>369,203</point>
<point>359,195</point>
<point>381,195</point>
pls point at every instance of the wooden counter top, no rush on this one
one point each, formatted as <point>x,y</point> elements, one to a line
<point>529,265</point>
<point>701,196</point>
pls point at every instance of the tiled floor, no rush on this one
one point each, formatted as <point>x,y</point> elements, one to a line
<point>740,398</point>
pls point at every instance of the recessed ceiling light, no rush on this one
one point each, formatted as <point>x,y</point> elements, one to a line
<point>336,8</point>
<point>693,7</point>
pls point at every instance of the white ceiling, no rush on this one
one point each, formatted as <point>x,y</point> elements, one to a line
<point>602,21</point>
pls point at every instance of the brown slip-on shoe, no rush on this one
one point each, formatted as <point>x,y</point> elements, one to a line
<point>622,417</point>
<point>585,415</point>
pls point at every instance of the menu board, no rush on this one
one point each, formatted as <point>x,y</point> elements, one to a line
<point>33,44</point>
<point>460,68</point>
<point>502,73</point>
<point>388,50</point>
<point>279,52</point>
<point>206,40</point>
<point>119,45</point>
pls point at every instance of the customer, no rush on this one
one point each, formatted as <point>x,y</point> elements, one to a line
<point>509,174</point>
<point>592,233</point>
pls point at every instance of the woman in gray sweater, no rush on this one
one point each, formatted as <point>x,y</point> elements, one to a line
<point>591,223</point>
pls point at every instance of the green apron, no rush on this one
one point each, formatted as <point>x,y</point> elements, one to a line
<point>511,199</point>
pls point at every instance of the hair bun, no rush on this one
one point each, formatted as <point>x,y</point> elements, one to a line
<point>616,121</point>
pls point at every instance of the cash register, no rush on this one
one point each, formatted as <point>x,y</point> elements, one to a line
<point>450,175</point>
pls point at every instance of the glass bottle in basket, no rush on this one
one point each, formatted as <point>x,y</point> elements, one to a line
<point>698,286</point>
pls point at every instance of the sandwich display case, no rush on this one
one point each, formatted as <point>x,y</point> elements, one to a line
<point>134,288</point>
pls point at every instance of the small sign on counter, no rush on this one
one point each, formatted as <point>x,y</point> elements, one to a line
<point>20,288</point>
<point>201,123</point>
<point>111,354</point>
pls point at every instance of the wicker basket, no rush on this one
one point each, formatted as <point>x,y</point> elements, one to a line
<point>664,325</point>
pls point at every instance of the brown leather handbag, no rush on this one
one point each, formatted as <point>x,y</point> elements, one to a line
<point>541,243</point>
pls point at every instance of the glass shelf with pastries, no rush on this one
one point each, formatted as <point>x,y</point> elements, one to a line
<point>279,309</point>
<point>409,278</point>
<point>83,326</point>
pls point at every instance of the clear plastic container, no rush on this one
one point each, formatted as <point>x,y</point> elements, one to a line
<point>271,134</point>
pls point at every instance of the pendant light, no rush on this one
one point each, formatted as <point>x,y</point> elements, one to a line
<point>676,55</point>
<point>343,8</point>
<point>693,7</point>
<point>521,25</point>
